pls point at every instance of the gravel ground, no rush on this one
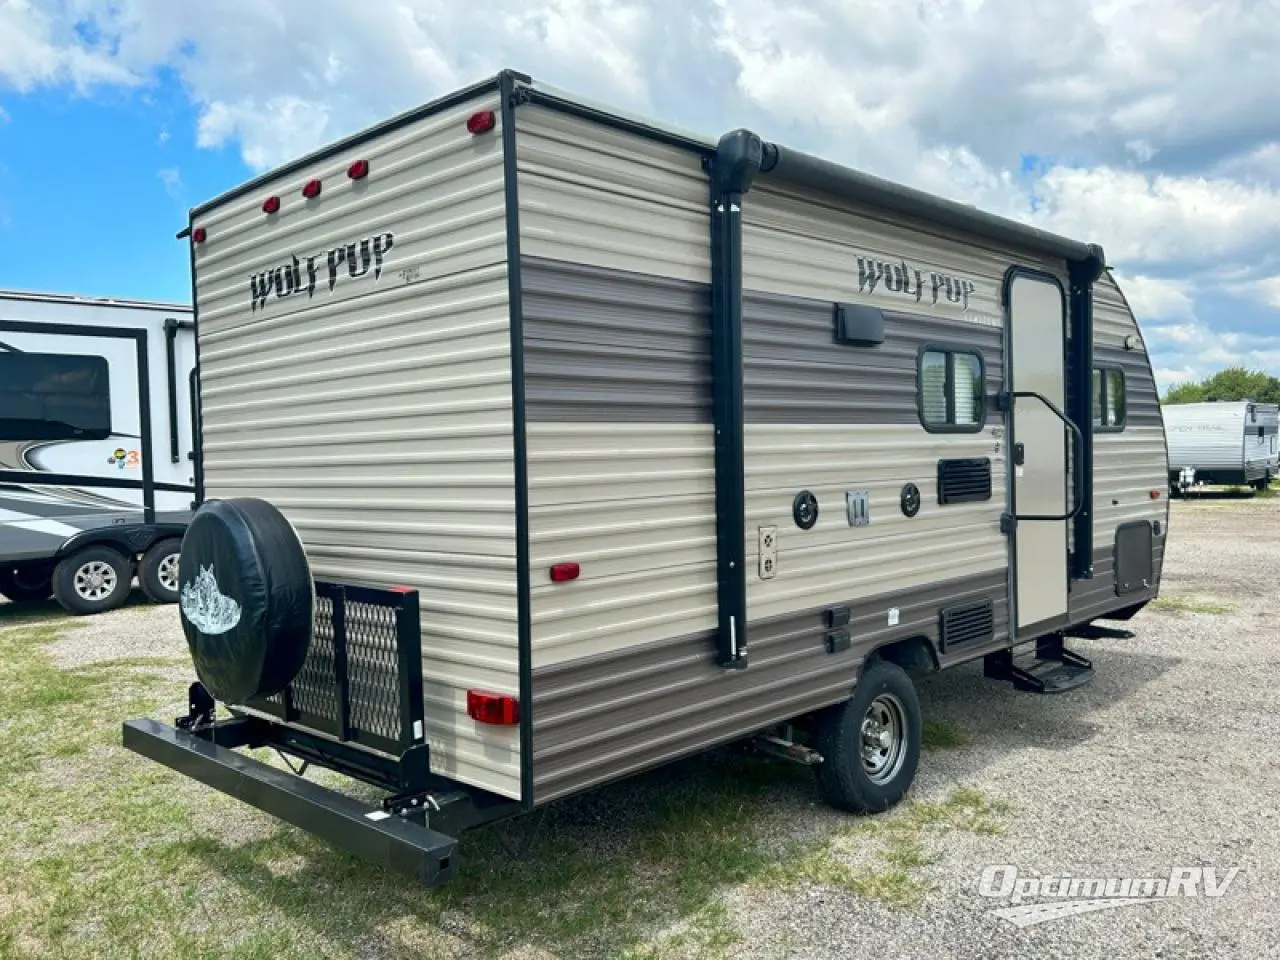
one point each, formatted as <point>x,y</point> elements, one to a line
<point>1169,758</point>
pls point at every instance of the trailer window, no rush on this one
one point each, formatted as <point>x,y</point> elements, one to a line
<point>950,390</point>
<point>47,396</point>
<point>1108,398</point>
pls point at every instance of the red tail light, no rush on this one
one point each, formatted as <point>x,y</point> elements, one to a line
<point>499,709</point>
<point>311,190</point>
<point>271,205</point>
<point>481,122</point>
<point>199,235</point>
<point>358,170</point>
<point>562,572</point>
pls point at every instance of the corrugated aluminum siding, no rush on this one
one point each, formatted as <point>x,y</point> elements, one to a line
<point>593,195</point>
<point>833,418</point>
<point>614,238</point>
<point>1128,464</point>
<point>378,416</point>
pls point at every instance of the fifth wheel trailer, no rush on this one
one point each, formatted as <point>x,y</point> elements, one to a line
<point>541,445</point>
<point>96,458</point>
<point>1222,443</point>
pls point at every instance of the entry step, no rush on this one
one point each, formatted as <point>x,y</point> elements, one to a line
<point>1051,669</point>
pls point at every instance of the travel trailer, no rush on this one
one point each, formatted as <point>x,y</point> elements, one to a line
<point>96,455</point>
<point>541,445</point>
<point>1224,443</point>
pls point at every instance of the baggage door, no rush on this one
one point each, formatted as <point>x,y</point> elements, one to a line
<point>1040,435</point>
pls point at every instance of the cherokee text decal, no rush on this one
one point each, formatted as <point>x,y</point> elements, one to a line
<point>300,276</point>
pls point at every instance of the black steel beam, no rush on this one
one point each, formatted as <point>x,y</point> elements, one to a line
<point>427,855</point>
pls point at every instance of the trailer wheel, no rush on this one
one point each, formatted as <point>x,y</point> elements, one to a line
<point>26,585</point>
<point>93,580</point>
<point>158,571</point>
<point>870,744</point>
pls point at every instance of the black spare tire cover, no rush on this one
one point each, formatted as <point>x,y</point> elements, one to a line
<point>246,599</point>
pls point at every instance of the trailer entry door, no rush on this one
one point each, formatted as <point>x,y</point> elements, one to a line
<point>1040,436</point>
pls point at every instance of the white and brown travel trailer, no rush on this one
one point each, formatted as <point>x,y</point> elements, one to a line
<point>1221,443</point>
<point>96,456</point>
<point>542,445</point>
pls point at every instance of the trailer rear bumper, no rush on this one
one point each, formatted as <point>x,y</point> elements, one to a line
<point>370,832</point>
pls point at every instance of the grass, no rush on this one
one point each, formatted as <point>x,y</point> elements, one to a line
<point>103,854</point>
<point>944,735</point>
<point>1181,604</point>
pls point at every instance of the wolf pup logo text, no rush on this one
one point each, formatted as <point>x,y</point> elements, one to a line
<point>354,260</point>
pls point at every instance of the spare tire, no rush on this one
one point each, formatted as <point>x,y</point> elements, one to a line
<point>246,599</point>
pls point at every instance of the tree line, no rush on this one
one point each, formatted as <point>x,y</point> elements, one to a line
<point>1233,383</point>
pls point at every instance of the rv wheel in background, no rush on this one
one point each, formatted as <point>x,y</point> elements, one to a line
<point>26,584</point>
<point>870,744</point>
<point>93,580</point>
<point>158,571</point>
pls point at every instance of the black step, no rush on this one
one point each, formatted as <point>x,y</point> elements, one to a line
<point>1052,669</point>
<point>1095,631</point>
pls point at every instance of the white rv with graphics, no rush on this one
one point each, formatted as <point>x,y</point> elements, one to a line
<point>542,445</point>
<point>96,458</point>
<point>1221,443</point>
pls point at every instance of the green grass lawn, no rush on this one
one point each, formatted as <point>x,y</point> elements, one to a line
<point>104,854</point>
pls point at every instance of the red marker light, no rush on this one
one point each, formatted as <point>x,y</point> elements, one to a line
<point>199,234</point>
<point>562,572</point>
<point>358,170</point>
<point>481,122</point>
<point>1155,494</point>
<point>271,205</point>
<point>311,190</point>
<point>499,709</point>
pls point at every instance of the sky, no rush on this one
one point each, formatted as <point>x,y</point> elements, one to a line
<point>1149,126</point>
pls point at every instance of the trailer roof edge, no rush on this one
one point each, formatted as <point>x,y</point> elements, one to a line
<point>449,99</point>
<point>88,300</point>
<point>791,167</point>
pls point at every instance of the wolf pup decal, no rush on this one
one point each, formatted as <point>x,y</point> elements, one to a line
<point>207,608</point>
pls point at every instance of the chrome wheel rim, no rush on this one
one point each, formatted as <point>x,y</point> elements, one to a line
<point>95,580</point>
<point>884,740</point>
<point>167,574</point>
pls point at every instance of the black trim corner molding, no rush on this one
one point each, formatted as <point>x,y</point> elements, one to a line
<point>1082,274</point>
<point>732,169</point>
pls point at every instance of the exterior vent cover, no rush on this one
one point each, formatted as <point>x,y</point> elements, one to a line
<point>962,481</point>
<point>966,623</point>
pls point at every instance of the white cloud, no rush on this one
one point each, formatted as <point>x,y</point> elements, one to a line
<point>38,45</point>
<point>1158,298</point>
<point>1146,125</point>
<point>1268,291</point>
<point>172,180</point>
<point>1192,350</point>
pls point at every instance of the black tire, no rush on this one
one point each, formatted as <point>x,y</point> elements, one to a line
<point>844,781</point>
<point>26,585</point>
<point>74,586</point>
<point>158,571</point>
<point>247,600</point>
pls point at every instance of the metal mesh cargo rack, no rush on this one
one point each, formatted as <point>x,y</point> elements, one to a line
<point>362,680</point>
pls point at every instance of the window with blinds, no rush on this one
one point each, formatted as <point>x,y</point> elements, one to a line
<point>1108,398</point>
<point>949,385</point>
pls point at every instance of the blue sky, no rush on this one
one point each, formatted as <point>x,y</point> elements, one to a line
<point>1162,143</point>
<point>93,190</point>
